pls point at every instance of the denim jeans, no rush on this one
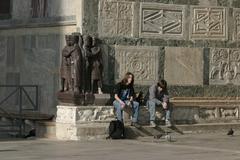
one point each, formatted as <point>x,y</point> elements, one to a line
<point>119,110</point>
<point>152,104</point>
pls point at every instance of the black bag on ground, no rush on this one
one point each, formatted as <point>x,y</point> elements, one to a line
<point>116,130</point>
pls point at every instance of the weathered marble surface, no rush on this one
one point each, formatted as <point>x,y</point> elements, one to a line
<point>81,132</point>
<point>84,114</point>
<point>183,66</point>
<point>83,122</point>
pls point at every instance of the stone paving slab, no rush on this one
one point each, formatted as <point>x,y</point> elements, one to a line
<point>186,147</point>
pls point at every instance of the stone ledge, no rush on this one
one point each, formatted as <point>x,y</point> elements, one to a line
<point>205,101</point>
<point>205,109</point>
<point>38,22</point>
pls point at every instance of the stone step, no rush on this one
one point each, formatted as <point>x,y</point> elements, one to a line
<point>30,115</point>
<point>100,130</point>
<point>46,129</point>
<point>8,132</point>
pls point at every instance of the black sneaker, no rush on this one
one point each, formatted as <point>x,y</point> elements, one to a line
<point>135,124</point>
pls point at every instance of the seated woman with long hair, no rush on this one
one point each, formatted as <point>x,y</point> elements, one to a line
<point>123,95</point>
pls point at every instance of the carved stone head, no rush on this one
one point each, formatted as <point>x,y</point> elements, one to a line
<point>67,39</point>
<point>81,40</point>
<point>87,41</point>
<point>94,41</point>
<point>76,37</point>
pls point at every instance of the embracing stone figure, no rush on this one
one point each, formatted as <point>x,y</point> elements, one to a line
<point>87,44</point>
<point>76,65</point>
<point>71,65</point>
<point>65,70</point>
<point>93,65</point>
<point>82,71</point>
<point>96,66</point>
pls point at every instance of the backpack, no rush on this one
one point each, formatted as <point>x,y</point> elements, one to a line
<point>116,130</point>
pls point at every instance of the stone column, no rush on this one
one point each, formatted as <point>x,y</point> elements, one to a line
<point>79,10</point>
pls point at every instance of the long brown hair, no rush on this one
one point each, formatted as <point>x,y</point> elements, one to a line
<point>163,84</point>
<point>125,79</point>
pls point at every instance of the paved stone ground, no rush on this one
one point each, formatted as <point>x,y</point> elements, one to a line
<point>184,147</point>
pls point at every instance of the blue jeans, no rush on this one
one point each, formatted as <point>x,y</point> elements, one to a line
<point>152,104</point>
<point>119,110</point>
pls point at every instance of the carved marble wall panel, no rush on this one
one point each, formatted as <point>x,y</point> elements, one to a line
<point>207,113</point>
<point>208,23</point>
<point>162,21</point>
<point>229,113</point>
<point>84,114</point>
<point>95,114</point>
<point>142,61</point>
<point>224,66</point>
<point>115,18</point>
<point>236,18</point>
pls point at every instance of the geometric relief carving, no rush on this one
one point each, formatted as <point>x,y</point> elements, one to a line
<point>224,66</point>
<point>115,18</point>
<point>141,61</point>
<point>208,23</point>
<point>159,20</point>
<point>236,17</point>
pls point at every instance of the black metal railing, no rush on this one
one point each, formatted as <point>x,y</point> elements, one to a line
<point>19,91</point>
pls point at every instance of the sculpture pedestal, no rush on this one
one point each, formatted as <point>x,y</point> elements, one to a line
<point>70,98</point>
<point>83,122</point>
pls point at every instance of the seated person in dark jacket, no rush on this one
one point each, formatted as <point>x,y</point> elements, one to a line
<point>158,96</point>
<point>123,95</point>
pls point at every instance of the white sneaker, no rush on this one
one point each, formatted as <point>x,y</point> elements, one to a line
<point>163,118</point>
<point>100,91</point>
<point>168,123</point>
<point>152,124</point>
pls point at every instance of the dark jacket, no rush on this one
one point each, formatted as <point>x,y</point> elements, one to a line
<point>121,89</point>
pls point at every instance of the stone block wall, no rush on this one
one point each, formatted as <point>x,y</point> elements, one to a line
<point>30,49</point>
<point>193,44</point>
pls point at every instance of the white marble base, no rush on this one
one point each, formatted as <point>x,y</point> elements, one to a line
<point>83,122</point>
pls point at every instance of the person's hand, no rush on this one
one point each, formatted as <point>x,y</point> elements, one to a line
<point>122,104</point>
<point>164,104</point>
